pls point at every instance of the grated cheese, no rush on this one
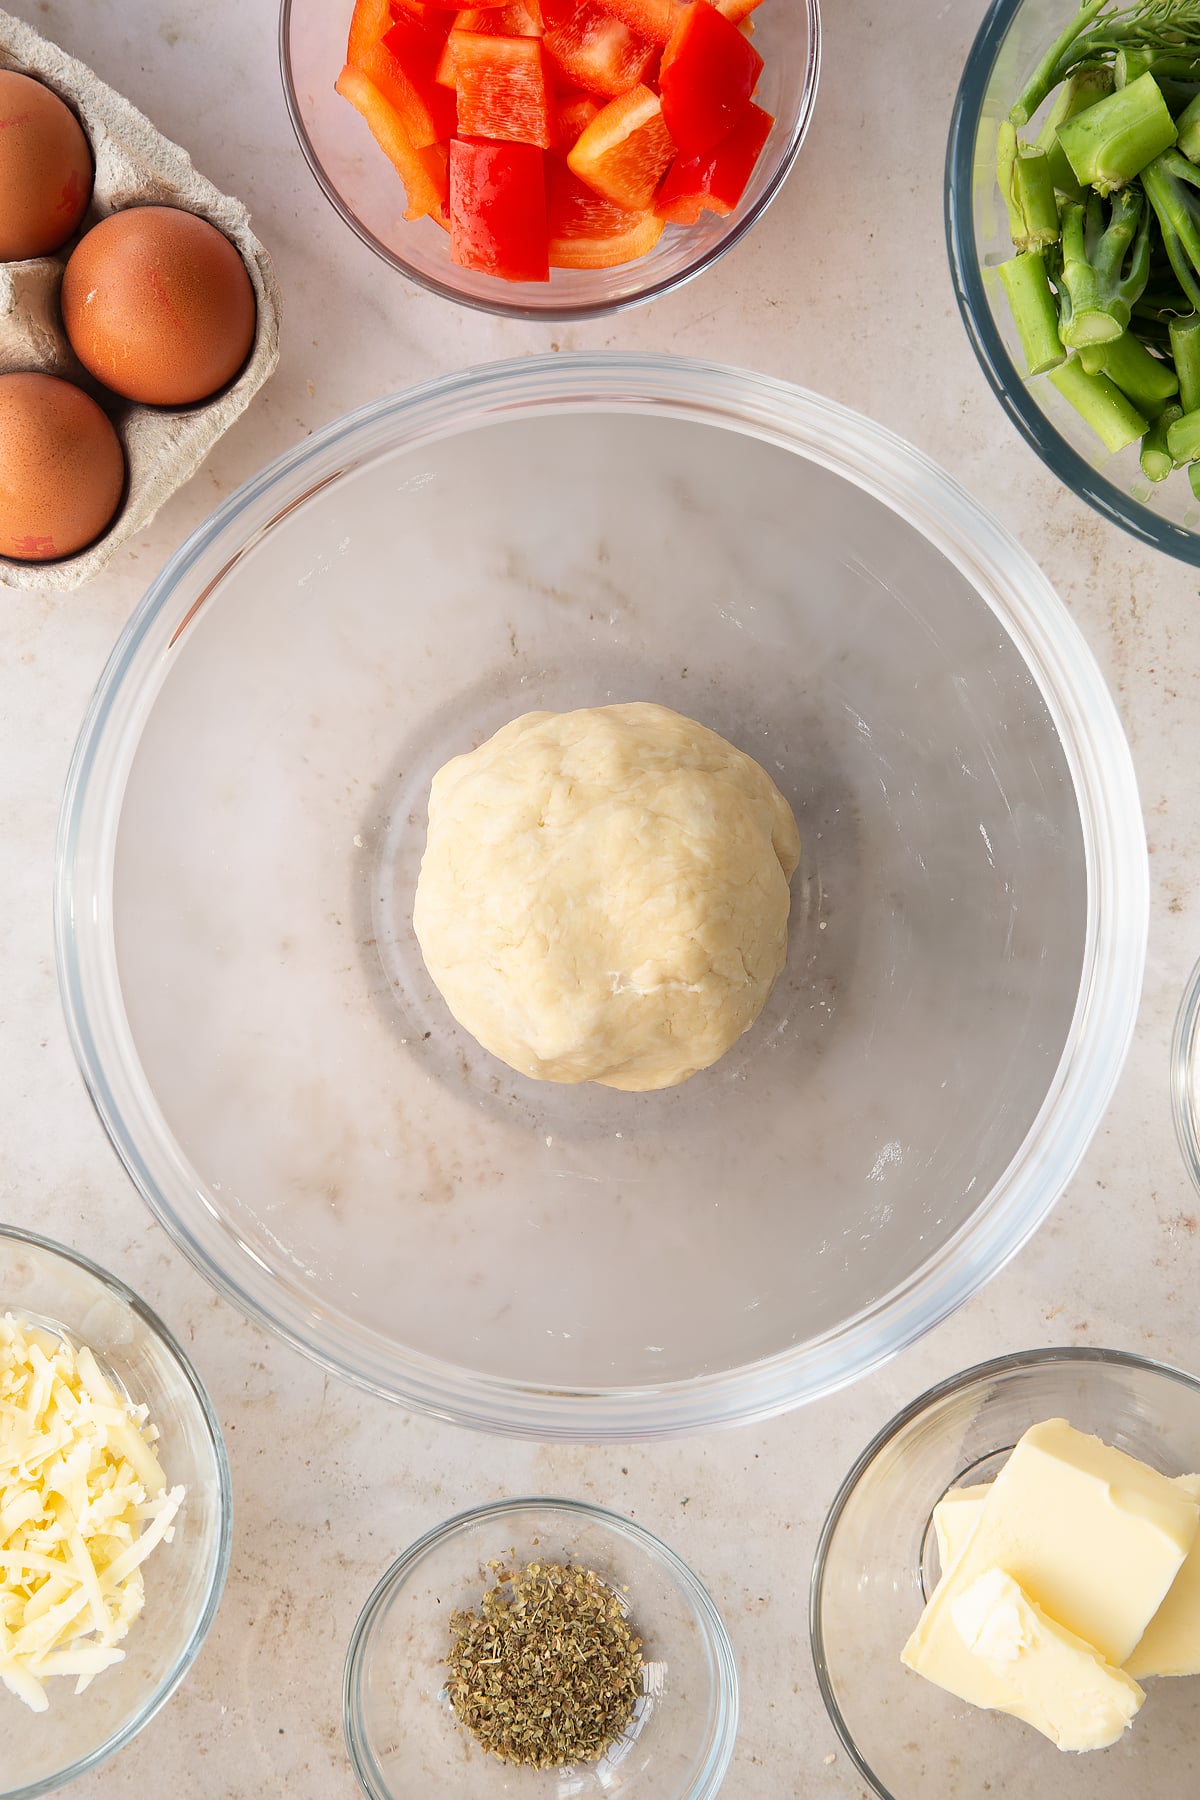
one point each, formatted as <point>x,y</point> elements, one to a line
<point>83,1502</point>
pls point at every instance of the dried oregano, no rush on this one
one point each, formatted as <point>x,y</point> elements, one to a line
<point>547,1671</point>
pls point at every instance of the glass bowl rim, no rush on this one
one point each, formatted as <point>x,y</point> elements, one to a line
<point>159,1696</point>
<point>899,1422</point>
<point>1082,712</point>
<point>552,314</point>
<point>1003,377</point>
<point>705,1610</point>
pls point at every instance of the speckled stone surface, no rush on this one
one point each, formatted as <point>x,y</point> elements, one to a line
<point>843,288</point>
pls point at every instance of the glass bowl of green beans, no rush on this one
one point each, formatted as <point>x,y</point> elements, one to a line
<point>542,1648</point>
<point>1073,227</point>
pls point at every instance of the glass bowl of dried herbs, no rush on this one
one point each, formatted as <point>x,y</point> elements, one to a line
<point>542,1648</point>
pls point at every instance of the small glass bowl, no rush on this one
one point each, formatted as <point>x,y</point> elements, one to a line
<point>1014,36</point>
<point>360,184</point>
<point>1185,1075</point>
<point>45,1284</point>
<point>877,1563</point>
<point>404,1740</point>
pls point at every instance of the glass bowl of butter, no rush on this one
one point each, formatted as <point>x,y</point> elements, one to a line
<point>115,1515</point>
<point>1011,1571</point>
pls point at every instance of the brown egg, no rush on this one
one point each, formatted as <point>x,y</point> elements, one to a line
<point>45,169</point>
<point>62,471</point>
<point>158,306</point>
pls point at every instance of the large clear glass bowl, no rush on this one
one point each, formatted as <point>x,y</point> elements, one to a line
<point>45,1284</point>
<point>403,1737</point>
<point>245,817</point>
<point>361,185</point>
<point>877,1563</point>
<point>1012,40</point>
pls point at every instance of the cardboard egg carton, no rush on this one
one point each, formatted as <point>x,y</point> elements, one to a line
<point>135,165</point>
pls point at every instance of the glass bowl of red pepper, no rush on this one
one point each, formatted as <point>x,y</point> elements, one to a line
<point>550,158</point>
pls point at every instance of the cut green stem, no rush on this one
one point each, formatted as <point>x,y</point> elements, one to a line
<point>1105,268</point>
<point>1177,208</point>
<point>1187,125</point>
<point>1084,88</point>
<point>1035,315</point>
<point>1050,71</point>
<point>1101,404</point>
<point>1146,380</point>
<point>1155,458</point>
<point>1185,352</point>
<point>1023,172</point>
<point>1113,141</point>
<point>1183,439</point>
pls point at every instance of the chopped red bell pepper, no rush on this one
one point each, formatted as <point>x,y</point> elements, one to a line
<point>589,232</point>
<point>503,93</point>
<point>498,210</point>
<point>737,10</point>
<point>368,22</point>
<point>592,50</point>
<point>626,150</point>
<point>423,171</point>
<point>403,68</point>
<point>521,19</point>
<point>709,71</point>
<point>572,114</point>
<point>715,181</point>
<point>653,20</point>
<point>517,18</point>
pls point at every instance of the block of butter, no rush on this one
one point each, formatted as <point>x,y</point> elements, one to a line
<point>1091,1537</point>
<point>1170,1644</point>
<point>1033,1669</point>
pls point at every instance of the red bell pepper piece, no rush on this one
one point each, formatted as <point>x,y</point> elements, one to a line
<point>593,50</point>
<point>522,19</point>
<point>715,181</point>
<point>572,114</point>
<point>502,89</point>
<point>403,68</point>
<point>709,71</point>
<point>626,150</point>
<point>498,210</point>
<point>368,22</point>
<point>737,10</point>
<point>423,171</point>
<point>517,18</point>
<point>588,232</point>
<point>653,20</point>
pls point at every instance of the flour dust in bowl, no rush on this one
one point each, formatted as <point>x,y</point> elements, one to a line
<point>244,824</point>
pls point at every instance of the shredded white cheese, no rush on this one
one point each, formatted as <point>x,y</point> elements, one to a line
<point>83,1502</point>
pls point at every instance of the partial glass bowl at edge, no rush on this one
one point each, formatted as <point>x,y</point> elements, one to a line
<point>361,185</point>
<point>401,1731</point>
<point>876,1564</point>
<point>245,816</point>
<point>1012,39</point>
<point>46,1284</point>
<point>1185,1075</point>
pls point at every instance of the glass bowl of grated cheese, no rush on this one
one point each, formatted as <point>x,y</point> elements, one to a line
<point>115,1515</point>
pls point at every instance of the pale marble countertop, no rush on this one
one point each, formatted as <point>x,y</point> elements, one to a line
<point>844,288</point>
